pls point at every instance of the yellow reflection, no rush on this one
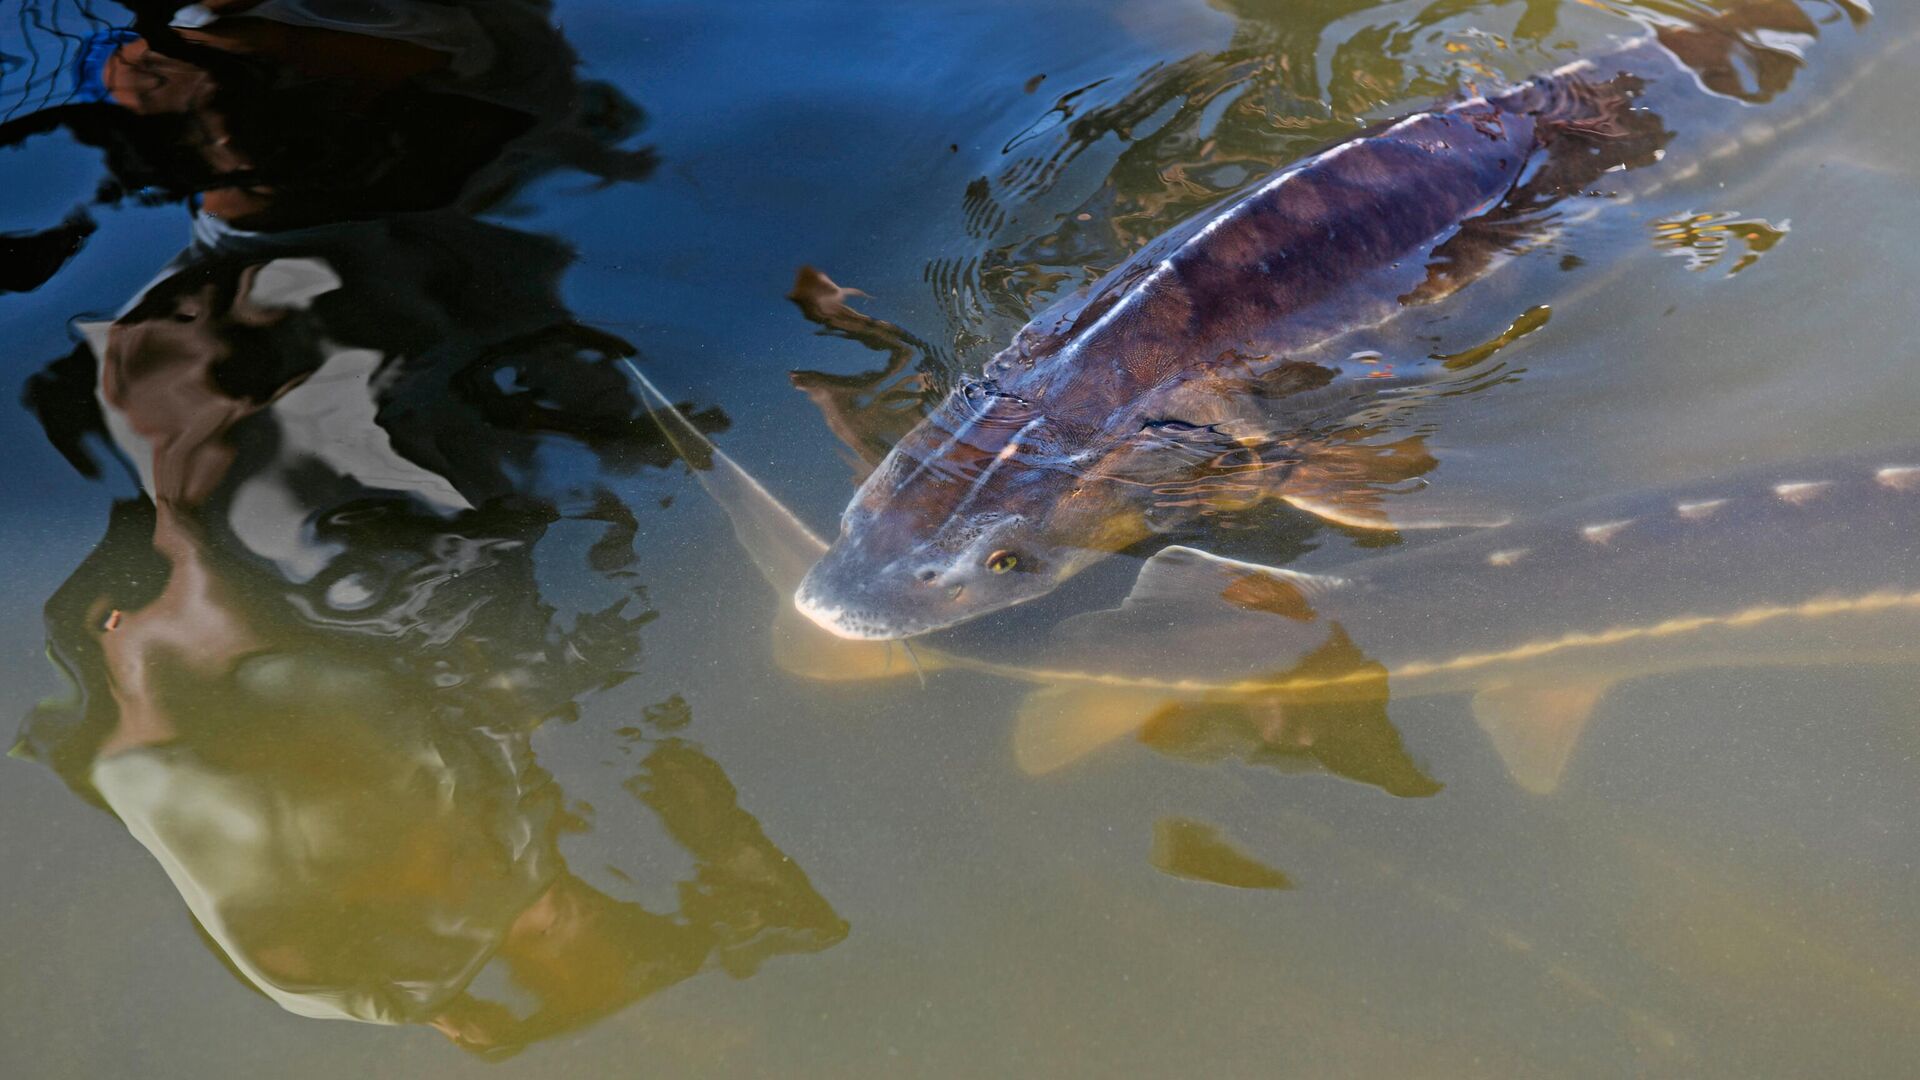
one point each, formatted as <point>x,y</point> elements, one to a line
<point>363,844</point>
<point>1530,320</point>
<point>1705,239</point>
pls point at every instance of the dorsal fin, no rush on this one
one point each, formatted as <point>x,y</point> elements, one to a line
<point>1182,574</point>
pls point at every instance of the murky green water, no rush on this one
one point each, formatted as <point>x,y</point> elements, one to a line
<point>441,694</point>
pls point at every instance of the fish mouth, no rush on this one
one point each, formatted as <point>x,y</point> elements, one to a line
<point>856,625</point>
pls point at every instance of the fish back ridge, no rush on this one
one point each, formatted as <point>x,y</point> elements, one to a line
<point>1266,263</point>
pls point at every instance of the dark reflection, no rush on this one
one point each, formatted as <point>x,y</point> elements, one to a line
<point>29,260</point>
<point>310,657</point>
<point>869,411</point>
<point>275,115</point>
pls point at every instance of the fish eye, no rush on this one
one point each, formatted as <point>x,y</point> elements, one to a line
<point>1002,561</point>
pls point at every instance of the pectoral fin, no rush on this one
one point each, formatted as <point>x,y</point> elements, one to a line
<point>1353,481</point>
<point>1364,509</point>
<point>1535,726</point>
<point>1181,574</point>
<point>1059,725</point>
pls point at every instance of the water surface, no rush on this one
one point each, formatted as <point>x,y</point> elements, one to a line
<point>499,638</point>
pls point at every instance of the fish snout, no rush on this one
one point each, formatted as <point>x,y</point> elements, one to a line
<point>884,602</point>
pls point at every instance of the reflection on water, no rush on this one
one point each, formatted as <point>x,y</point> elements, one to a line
<point>396,621</point>
<point>1703,240</point>
<point>309,660</point>
<point>868,412</point>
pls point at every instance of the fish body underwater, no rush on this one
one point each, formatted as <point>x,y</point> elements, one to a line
<point>1208,367</point>
<point>1813,563</point>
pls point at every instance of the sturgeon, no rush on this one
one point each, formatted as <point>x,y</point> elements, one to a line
<point>1812,563</point>
<point>1815,563</point>
<point>1212,363</point>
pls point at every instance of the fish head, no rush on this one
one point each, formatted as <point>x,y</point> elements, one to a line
<point>980,507</point>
